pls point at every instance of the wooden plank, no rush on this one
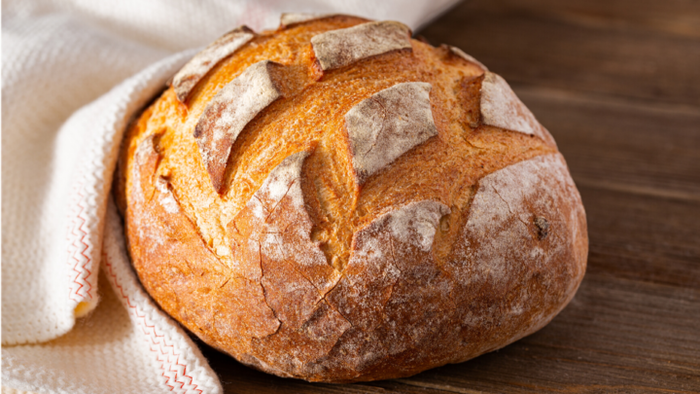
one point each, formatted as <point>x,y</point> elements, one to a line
<point>673,17</point>
<point>644,238</point>
<point>534,47</point>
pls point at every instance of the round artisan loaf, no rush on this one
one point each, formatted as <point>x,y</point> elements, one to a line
<point>334,201</point>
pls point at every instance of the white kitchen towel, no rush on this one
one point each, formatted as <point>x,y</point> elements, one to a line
<point>67,95</point>
<point>127,345</point>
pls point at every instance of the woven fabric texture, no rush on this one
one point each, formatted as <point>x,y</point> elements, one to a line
<point>74,318</point>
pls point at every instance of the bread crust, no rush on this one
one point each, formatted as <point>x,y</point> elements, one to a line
<point>305,254</point>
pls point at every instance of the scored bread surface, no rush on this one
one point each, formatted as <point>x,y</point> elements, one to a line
<point>334,201</point>
<point>229,112</point>
<point>388,124</point>
<point>188,77</point>
<point>338,48</point>
<point>466,56</point>
<point>292,18</point>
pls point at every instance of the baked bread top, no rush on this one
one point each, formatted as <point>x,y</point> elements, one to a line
<point>336,201</point>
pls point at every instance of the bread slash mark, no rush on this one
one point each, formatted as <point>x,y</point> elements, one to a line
<point>229,112</point>
<point>275,224</point>
<point>187,78</point>
<point>500,107</point>
<point>338,48</point>
<point>387,125</point>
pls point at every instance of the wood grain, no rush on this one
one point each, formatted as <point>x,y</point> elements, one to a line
<point>617,82</point>
<point>536,45</point>
<point>670,17</point>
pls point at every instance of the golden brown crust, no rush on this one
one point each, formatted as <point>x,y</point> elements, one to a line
<point>467,235</point>
<point>230,111</point>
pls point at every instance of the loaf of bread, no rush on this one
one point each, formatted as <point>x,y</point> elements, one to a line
<point>335,201</point>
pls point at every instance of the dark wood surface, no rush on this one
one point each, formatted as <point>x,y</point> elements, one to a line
<point>617,82</point>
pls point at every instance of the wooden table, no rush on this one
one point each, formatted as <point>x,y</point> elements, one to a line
<point>617,82</point>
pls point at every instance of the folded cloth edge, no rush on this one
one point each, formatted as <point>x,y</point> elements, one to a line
<point>95,236</point>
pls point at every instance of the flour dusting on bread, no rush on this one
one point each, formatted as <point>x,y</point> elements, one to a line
<point>460,53</point>
<point>392,270</point>
<point>292,18</point>
<point>146,159</point>
<point>166,198</point>
<point>500,107</point>
<point>417,223</point>
<point>283,182</point>
<point>510,203</point>
<point>509,209</point>
<point>373,270</point>
<point>189,76</point>
<point>387,125</point>
<point>229,112</point>
<point>338,48</point>
<point>273,230</point>
<point>391,207</point>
